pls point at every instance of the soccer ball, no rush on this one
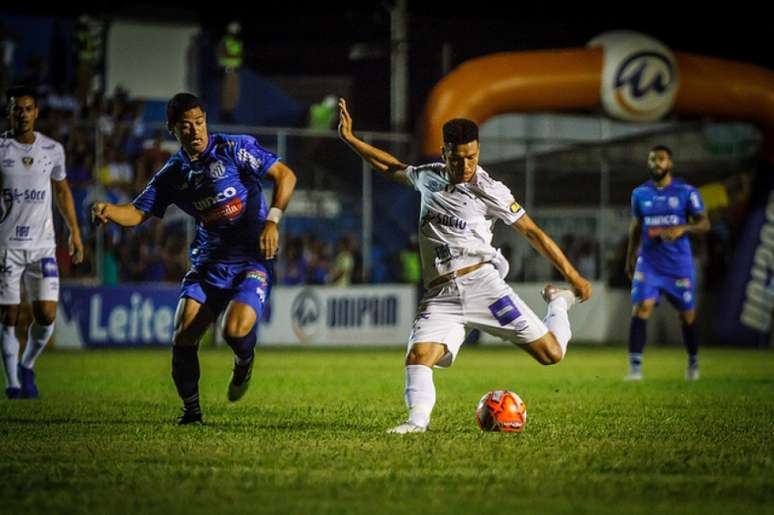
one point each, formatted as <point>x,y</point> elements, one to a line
<point>501,410</point>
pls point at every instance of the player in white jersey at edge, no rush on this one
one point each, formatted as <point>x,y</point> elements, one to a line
<point>32,166</point>
<point>462,271</point>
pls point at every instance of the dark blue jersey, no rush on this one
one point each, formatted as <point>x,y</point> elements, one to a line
<point>657,209</point>
<point>222,190</point>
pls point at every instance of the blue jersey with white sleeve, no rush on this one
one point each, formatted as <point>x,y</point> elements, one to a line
<point>221,189</point>
<point>657,209</point>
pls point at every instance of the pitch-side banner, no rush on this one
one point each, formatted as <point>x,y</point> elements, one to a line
<point>322,315</point>
<point>115,317</point>
<point>136,316</point>
<point>747,303</point>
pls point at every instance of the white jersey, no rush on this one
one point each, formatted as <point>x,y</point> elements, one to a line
<point>26,171</point>
<point>456,220</point>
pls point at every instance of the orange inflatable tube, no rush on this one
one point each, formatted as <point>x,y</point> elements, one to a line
<point>569,79</point>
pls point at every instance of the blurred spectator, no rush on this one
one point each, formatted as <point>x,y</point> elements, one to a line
<point>343,264</point>
<point>294,265</point>
<point>230,53</point>
<point>7,50</point>
<point>89,36</point>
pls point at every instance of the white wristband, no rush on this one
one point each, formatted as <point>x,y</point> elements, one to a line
<point>275,214</point>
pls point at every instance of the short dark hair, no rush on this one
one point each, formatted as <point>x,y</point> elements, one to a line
<point>181,103</point>
<point>662,148</point>
<point>459,131</point>
<point>21,91</point>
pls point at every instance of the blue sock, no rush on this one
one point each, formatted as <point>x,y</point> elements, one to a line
<point>185,372</point>
<point>637,337</point>
<point>243,346</point>
<point>691,341</point>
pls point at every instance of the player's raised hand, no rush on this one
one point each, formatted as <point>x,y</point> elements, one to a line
<point>582,289</point>
<point>269,240</point>
<point>99,213</point>
<point>345,121</point>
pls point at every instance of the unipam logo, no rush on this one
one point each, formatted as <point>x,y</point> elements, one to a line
<point>639,76</point>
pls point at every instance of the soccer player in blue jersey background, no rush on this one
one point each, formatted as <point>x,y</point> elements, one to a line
<point>665,211</point>
<point>216,179</point>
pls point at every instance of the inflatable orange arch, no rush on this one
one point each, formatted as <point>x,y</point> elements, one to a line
<point>570,79</point>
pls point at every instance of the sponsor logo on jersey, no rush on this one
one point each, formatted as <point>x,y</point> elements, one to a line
<point>674,202</point>
<point>246,157</point>
<point>5,269</point>
<point>27,161</point>
<point>26,196</point>
<point>515,207</point>
<point>48,147</point>
<point>7,163</point>
<point>223,213</point>
<point>216,170</point>
<point>443,219</point>
<point>662,220</point>
<point>443,253</point>
<point>207,202</point>
<point>647,203</point>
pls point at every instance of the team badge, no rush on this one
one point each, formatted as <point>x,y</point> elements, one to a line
<point>683,283</point>
<point>515,207</point>
<point>216,170</point>
<point>27,160</point>
<point>674,202</point>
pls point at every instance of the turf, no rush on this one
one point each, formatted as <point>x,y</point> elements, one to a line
<point>309,436</point>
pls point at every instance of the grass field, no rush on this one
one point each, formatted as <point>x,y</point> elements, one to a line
<point>309,436</point>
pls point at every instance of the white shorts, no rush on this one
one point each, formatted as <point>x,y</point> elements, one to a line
<point>38,269</point>
<point>478,300</point>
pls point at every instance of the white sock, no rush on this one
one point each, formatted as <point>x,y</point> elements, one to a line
<point>37,338</point>
<point>558,323</point>
<point>10,345</point>
<point>419,394</point>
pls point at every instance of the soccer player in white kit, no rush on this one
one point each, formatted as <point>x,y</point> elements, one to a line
<point>31,167</point>
<point>462,272</point>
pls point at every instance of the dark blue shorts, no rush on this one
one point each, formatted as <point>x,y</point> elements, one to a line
<point>217,284</point>
<point>680,289</point>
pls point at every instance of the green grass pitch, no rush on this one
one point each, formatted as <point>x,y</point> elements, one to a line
<point>309,436</point>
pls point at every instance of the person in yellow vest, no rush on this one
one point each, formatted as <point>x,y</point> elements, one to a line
<point>230,57</point>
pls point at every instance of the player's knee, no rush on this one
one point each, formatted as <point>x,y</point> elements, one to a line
<point>236,328</point>
<point>552,353</point>
<point>642,311</point>
<point>10,315</point>
<point>423,355</point>
<point>687,317</point>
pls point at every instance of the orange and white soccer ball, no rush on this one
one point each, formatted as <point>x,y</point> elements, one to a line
<point>501,410</point>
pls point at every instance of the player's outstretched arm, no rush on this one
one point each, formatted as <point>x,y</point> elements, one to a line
<point>64,202</point>
<point>284,184</point>
<point>125,215</point>
<point>382,161</point>
<point>543,243</point>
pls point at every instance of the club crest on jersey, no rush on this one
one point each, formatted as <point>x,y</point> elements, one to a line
<point>27,161</point>
<point>515,207</point>
<point>216,170</point>
<point>258,275</point>
<point>674,202</point>
<point>434,186</point>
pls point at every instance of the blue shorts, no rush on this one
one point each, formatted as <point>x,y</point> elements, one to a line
<point>680,290</point>
<point>217,284</point>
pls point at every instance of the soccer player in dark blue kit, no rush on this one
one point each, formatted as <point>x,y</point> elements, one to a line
<point>665,211</point>
<point>215,178</point>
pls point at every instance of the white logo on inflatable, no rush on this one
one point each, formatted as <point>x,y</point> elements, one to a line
<point>639,76</point>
